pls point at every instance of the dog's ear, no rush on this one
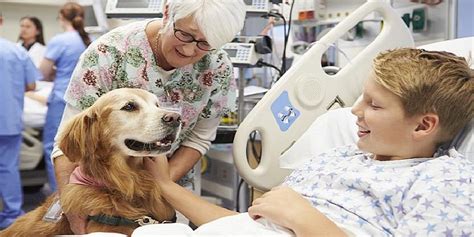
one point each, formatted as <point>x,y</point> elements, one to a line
<point>78,139</point>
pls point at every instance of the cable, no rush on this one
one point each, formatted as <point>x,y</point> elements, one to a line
<point>257,156</point>
<point>287,34</point>
<point>237,200</point>
<point>277,15</point>
<point>260,63</point>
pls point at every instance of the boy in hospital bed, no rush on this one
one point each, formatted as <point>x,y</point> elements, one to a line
<point>397,179</point>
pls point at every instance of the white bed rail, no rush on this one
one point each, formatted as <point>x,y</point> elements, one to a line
<point>306,91</point>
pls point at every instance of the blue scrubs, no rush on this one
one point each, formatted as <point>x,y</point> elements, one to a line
<point>64,50</point>
<point>16,71</point>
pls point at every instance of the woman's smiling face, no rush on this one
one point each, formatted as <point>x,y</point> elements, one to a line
<point>178,53</point>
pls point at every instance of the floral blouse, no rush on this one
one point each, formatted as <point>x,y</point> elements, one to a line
<point>124,58</point>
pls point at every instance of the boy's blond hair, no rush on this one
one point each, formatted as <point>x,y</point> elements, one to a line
<point>430,82</point>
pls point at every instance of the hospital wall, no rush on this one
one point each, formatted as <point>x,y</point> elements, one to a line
<point>13,12</point>
<point>465,18</point>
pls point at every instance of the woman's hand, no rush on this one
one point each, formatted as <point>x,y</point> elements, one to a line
<point>287,208</point>
<point>158,168</point>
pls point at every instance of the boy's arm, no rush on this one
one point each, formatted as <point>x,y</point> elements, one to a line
<point>285,207</point>
<point>196,209</point>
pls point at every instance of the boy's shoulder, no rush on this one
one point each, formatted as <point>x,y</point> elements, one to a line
<point>452,158</point>
<point>450,167</point>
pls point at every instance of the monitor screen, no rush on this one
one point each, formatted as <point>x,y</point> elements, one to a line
<point>89,16</point>
<point>134,8</point>
<point>248,2</point>
<point>95,20</point>
<point>133,4</point>
<point>231,52</point>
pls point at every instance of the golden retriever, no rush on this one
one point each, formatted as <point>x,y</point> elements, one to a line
<point>109,141</point>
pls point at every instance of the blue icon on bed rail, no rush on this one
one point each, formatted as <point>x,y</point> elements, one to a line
<point>284,112</point>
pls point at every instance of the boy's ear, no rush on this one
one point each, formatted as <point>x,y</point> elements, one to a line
<point>428,125</point>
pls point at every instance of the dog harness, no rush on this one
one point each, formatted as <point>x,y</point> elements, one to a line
<point>122,221</point>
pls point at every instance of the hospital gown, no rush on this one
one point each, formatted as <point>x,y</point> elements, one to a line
<point>413,197</point>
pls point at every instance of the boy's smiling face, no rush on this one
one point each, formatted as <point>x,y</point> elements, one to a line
<point>384,130</point>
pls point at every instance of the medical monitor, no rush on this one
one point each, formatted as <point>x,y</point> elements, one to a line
<point>134,8</point>
<point>95,20</point>
<point>257,6</point>
<point>241,54</point>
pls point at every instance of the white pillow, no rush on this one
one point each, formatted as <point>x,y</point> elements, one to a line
<point>335,128</point>
<point>464,141</point>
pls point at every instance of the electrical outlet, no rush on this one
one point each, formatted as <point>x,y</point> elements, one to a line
<point>419,20</point>
<point>415,17</point>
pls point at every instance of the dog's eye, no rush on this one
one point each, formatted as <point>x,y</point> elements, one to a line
<point>130,106</point>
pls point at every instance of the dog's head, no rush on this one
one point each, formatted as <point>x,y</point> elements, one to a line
<point>124,121</point>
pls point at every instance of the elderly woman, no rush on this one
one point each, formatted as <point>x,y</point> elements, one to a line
<point>178,59</point>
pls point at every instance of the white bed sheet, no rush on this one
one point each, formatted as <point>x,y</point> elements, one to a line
<point>334,128</point>
<point>34,112</point>
<point>237,225</point>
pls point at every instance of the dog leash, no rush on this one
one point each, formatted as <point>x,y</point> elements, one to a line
<point>122,221</point>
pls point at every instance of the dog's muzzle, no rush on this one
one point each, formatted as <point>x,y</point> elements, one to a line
<point>160,145</point>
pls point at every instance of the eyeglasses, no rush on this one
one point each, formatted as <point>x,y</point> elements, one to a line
<point>188,38</point>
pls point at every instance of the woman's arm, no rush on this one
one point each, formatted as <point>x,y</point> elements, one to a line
<point>30,87</point>
<point>196,209</point>
<point>34,96</point>
<point>285,207</point>
<point>182,161</point>
<point>197,143</point>
<point>63,168</point>
<point>47,69</point>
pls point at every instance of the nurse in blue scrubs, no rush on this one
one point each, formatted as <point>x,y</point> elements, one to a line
<point>62,54</point>
<point>17,75</point>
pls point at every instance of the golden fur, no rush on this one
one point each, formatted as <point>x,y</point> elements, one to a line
<point>95,139</point>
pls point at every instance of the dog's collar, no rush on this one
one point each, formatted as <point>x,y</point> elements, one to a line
<point>121,221</point>
<point>78,177</point>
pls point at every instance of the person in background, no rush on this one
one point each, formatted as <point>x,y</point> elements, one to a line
<point>31,38</point>
<point>177,58</point>
<point>401,178</point>
<point>61,57</point>
<point>18,74</point>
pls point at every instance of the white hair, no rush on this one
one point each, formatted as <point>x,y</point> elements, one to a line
<point>218,20</point>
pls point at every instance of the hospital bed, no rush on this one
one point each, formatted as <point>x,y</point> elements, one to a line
<point>306,92</point>
<point>31,154</point>
<point>330,129</point>
<point>298,115</point>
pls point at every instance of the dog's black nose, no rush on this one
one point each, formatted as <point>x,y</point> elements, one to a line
<point>171,119</point>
